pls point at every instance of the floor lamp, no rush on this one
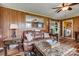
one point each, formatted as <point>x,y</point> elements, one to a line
<point>13,28</point>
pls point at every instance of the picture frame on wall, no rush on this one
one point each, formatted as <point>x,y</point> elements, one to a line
<point>38,24</point>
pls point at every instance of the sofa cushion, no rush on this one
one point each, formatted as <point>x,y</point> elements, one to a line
<point>46,35</point>
<point>29,36</point>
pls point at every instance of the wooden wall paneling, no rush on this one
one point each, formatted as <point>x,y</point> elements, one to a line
<point>0,22</point>
<point>21,21</point>
<point>46,25</point>
<point>10,16</point>
<point>11,21</point>
<point>49,20</point>
<point>0,17</point>
<point>75,25</point>
<point>6,19</point>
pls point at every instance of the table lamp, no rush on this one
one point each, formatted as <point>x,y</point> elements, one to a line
<point>13,27</point>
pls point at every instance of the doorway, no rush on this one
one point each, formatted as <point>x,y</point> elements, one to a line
<point>67,28</point>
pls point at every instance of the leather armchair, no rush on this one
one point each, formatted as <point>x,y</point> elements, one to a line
<point>26,42</point>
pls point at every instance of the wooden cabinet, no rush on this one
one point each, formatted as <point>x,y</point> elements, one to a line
<point>77,36</point>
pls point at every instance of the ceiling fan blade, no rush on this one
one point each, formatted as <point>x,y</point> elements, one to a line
<point>57,8</point>
<point>69,8</point>
<point>73,4</point>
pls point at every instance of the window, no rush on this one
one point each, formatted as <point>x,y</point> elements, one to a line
<point>28,25</point>
<point>34,22</point>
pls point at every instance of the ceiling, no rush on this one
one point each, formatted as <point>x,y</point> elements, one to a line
<point>44,9</point>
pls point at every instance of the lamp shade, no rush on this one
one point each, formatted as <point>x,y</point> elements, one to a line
<point>13,26</point>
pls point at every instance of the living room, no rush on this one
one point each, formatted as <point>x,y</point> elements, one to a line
<point>28,29</point>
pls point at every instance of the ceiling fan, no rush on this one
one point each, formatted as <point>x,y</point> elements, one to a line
<point>65,6</point>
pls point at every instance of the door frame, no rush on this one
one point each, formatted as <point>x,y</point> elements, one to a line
<point>63,29</point>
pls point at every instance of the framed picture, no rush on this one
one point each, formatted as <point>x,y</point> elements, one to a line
<point>38,25</point>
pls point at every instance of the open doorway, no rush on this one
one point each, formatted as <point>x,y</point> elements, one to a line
<point>68,28</point>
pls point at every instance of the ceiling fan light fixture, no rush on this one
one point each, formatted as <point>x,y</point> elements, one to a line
<point>65,8</point>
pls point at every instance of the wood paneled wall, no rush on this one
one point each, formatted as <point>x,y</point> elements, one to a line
<point>75,24</point>
<point>1,22</point>
<point>0,17</point>
<point>10,16</point>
